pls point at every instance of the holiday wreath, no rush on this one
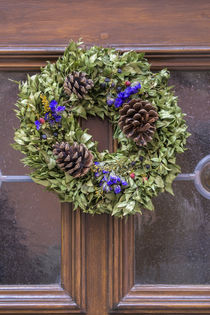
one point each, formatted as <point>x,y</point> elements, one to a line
<point>148,126</point>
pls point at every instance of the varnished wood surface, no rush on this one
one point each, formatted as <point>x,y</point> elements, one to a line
<point>30,58</point>
<point>98,252</point>
<point>174,34</point>
<point>145,22</point>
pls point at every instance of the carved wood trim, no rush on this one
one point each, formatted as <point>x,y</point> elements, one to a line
<point>121,258</point>
<point>166,299</point>
<point>36,299</point>
<point>55,299</point>
<point>73,254</point>
<point>173,57</point>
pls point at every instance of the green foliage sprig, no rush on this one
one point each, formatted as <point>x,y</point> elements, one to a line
<point>147,170</point>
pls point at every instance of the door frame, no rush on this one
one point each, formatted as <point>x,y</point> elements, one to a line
<point>117,247</point>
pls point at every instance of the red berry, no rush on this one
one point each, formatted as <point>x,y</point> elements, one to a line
<point>145,179</point>
<point>127,83</point>
<point>132,175</point>
<point>41,120</point>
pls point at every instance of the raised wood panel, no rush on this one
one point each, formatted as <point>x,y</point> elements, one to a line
<point>98,252</point>
<point>69,297</point>
<point>126,297</point>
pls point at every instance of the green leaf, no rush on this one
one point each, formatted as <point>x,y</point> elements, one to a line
<point>51,164</point>
<point>85,138</point>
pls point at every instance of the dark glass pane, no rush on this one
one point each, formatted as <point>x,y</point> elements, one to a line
<point>172,243</point>
<point>29,216</point>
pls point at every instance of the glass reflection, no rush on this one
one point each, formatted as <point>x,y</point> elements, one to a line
<point>29,216</point>
<point>172,243</point>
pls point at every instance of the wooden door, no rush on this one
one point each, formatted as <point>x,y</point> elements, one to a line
<point>155,263</point>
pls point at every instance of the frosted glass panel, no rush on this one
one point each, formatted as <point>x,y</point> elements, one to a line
<point>172,243</point>
<point>29,216</point>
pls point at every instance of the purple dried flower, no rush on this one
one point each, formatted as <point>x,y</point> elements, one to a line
<point>117,189</point>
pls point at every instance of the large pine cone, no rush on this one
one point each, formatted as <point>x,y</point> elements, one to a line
<point>137,121</point>
<point>77,83</point>
<point>76,160</point>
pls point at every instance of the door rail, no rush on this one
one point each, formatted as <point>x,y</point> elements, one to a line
<point>200,177</point>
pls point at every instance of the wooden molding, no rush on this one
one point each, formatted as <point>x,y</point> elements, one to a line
<point>163,299</point>
<point>36,299</point>
<point>73,254</point>
<point>31,58</point>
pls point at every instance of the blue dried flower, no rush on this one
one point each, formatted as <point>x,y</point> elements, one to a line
<point>57,118</point>
<point>124,183</point>
<point>113,179</point>
<point>118,179</point>
<point>52,116</point>
<point>110,101</point>
<point>52,122</point>
<point>123,96</point>
<point>118,102</point>
<point>46,116</point>
<point>53,104</point>
<point>105,178</point>
<point>60,108</point>
<point>37,124</point>
<point>117,189</point>
<point>106,188</point>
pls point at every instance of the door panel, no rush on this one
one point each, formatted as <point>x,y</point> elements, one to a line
<point>157,263</point>
<point>172,244</point>
<point>30,217</point>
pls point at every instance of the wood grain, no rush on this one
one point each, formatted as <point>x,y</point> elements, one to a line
<point>98,252</point>
<point>73,254</point>
<point>145,22</point>
<point>174,34</point>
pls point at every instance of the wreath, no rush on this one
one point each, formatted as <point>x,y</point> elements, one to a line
<point>148,127</point>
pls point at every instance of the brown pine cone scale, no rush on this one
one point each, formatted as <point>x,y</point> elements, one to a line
<point>77,83</point>
<point>75,160</point>
<point>137,121</point>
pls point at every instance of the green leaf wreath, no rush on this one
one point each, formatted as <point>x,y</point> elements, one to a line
<point>148,127</point>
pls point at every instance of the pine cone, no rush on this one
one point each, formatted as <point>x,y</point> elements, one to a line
<point>137,121</point>
<point>75,160</point>
<point>77,83</point>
